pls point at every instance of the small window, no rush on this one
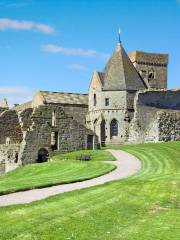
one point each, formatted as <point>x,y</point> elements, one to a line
<point>95,100</point>
<point>151,75</point>
<point>54,118</point>
<point>106,101</point>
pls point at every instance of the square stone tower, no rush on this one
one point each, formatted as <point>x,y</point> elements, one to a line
<point>152,67</point>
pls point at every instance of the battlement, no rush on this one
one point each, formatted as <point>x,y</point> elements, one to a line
<point>156,59</point>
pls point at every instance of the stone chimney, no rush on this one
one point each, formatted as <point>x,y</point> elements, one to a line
<point>4,103</point>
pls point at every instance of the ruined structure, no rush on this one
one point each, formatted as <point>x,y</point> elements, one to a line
<point>53,121</point>
<point>127,103</point>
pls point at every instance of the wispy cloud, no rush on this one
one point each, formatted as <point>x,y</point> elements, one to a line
<point>15,94</point>
<point>51,48</point>
<point>77,66</point>
<point>15,4</point>
<point>11,24</point>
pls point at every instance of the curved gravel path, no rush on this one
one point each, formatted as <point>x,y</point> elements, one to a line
<point>126,164</point>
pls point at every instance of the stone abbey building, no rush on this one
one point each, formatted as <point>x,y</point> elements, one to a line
<point>128,103</point>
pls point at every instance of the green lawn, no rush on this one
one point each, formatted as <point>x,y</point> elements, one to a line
<point>57,171</point>
<point>145,206</point>
<point>96,155</point>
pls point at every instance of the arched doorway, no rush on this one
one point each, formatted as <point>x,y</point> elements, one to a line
<point>42,155</point>
<point>114,128</point>
<point>103,132</point>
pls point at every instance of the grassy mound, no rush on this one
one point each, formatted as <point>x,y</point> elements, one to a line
<point>145,206</point>
<point>55,172</point>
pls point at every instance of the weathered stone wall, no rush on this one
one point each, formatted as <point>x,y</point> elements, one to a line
<point>10,127</point>
<point>156,117</point>
<point>78,112</point>
<point>169,125</point>
<point>71,135</point>
<point>8,157</point>
<point>165,99</point>
<point>25,118</point>
<point>3,109</point>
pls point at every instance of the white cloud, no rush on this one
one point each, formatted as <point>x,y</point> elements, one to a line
<point>77,66</point>
<point>10,24</point>
<point>15,94</point>
<point>18,4</point>
<point>73,51</point>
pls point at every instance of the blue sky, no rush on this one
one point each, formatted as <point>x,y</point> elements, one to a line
<point>57,44</point>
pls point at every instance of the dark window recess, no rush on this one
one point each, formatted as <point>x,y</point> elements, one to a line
<point>151,75</point>
<point>114,128</point>
<point>95,100</point>
<point>106,101</point>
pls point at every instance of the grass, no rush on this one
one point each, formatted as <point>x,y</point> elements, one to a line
<point>96,155</point>
<point>55,172</point>
<point>145,206</point>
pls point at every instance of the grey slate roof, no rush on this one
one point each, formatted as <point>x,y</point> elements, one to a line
<point>120,73</point>
<point>64,98</point>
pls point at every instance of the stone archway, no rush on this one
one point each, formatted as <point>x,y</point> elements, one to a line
<point>42,155</point>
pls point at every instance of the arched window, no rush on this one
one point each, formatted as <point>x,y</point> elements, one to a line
<point>114,128</point>
<point>95,100</point>
<point>151,75</point>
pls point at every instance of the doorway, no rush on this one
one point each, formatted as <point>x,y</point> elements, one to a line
<point>89,142</point>
<point>42,155</point>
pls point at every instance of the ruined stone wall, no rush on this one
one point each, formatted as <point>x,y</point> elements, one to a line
<point>25,118</point>
<point>8,157</point>
<point>169,125</point>
<point>10,127</point>
<point>165,99</point>
<point>78,112</point>
<point>71,134</point>
<point>156,117</point>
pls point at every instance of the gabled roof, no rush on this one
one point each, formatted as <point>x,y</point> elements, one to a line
<point>45,97</point>
<point>120,73</point>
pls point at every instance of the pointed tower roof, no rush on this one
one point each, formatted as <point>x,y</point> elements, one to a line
<point>120,73</point>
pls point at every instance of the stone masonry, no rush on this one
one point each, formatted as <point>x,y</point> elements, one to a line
<point>128,103</point>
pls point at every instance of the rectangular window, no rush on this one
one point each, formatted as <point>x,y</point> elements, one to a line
<point>95,100</point>
<point>54,119</point>
<point>106,101</point>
